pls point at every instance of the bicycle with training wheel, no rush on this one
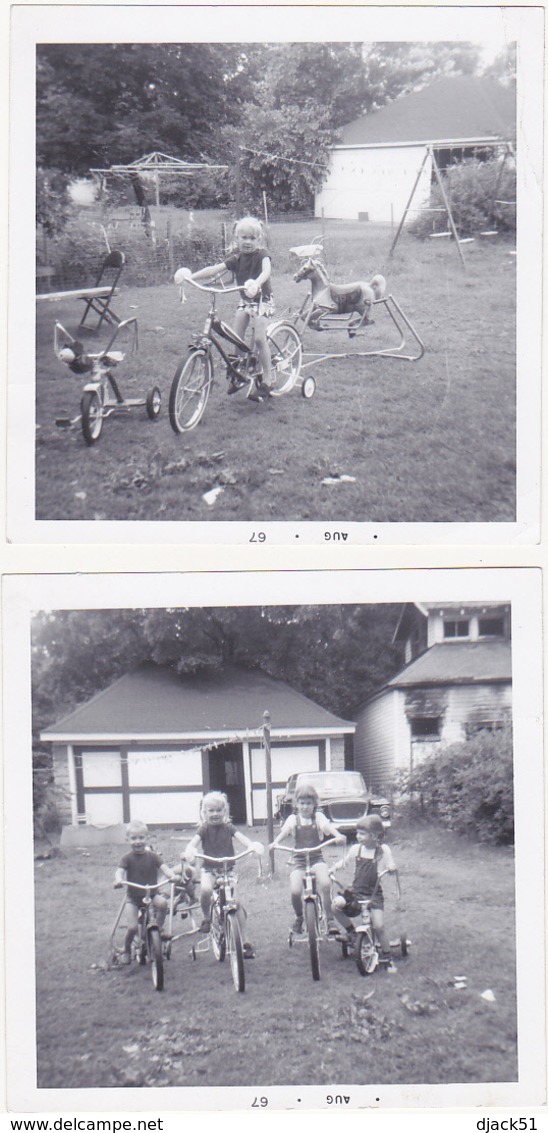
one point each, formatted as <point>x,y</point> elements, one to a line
<point>224,936</point>
<point>147,946</point>
<point>194,375</point>
<point>315,920</point>
<point>101,396</point>
<point>361,943</point>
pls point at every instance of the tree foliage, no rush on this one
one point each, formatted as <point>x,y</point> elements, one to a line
<point>336,655</point>
<point>102,104</point>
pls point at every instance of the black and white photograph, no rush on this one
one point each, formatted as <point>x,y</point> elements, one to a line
<point>356,197</point>
<point>328,810</point>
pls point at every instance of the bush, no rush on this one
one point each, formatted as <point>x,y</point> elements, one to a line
<point>468,787</point>
<point>473,189</point>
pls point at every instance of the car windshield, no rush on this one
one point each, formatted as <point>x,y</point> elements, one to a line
<point>337,783</point>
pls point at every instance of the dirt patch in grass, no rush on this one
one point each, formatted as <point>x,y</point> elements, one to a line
<point>428,441</point>
<point>104,1027</point>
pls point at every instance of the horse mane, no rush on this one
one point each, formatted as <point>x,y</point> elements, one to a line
<point>321,270</point>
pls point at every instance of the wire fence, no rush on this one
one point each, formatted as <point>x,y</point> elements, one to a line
<point>155,242</point>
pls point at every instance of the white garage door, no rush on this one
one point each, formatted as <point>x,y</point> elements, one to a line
<point>285,761</point>
<point>102,769</point>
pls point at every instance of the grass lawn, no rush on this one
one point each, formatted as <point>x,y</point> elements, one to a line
<point>99,1026</point>
<point>427,441</point>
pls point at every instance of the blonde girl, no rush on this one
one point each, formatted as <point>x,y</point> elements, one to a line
<point>216,836</point>
<point>251,266</point>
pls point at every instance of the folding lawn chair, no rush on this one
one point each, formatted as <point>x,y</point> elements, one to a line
<point>104,289</point>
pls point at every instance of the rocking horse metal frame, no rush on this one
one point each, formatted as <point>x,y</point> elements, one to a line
<point>339,314</point>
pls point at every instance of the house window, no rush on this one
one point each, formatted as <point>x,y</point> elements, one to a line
<point>456,628</point>
<point>491,627</point>
<point>425,727</point>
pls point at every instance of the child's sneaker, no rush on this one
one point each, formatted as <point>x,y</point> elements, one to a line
<point>125,958</point>
<point>388,964</point>
<point>205,926</point>
<point>249,951</point>
<point>297,925</point>
<point>332,927</point>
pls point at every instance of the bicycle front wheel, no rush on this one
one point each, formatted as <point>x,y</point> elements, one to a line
<point>218,941</point>
<point>189,391</point>
<point>92,417</point>
<point>368,957</point>
<point>156,958</point>
<point>311,923</point>
<point>286,352</point>
<point>235,951</point>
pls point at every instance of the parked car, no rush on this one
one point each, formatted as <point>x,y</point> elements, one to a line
<point>343,796</point>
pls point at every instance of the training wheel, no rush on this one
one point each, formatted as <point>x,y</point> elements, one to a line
<point>290,940</point>
<point>308,387</point>
<point>154,403</point>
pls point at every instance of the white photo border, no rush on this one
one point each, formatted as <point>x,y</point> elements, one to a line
<point>23,596</point>
<point>68,23</point>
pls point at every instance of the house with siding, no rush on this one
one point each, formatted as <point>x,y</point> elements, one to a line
<point>457,680</point>
<point>375,164</point>
<point>153,743</point>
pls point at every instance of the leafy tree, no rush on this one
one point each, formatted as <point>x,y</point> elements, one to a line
<point>334,654</point>
<point>102,104</point>
<point>504,66</point>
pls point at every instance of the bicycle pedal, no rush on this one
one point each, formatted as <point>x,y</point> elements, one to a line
<point>63,422</point>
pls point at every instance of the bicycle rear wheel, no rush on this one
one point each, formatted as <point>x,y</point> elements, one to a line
<point>286,353</point>
<point>189,391</point>
<point>311,923</point>
<point>156,958</point>
<point>235,951</point>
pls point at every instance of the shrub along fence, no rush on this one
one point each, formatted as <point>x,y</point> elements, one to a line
<point>467,787</point>
<point>155,242</point>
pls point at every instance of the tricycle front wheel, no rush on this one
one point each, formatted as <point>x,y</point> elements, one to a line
<point>92,417</point>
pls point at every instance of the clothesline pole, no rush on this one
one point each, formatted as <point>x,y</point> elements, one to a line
<point>268,778</point>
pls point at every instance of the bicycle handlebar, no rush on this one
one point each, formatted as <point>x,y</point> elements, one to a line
<point>135,884</point>
<point>306,849</point>
<point>212,290</point>
<point>224,861</point>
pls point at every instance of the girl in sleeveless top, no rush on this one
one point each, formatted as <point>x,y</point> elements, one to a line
<point>309,827</point>
<point>372,857</point>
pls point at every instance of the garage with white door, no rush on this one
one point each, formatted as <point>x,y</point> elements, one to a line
<point>154,742</point>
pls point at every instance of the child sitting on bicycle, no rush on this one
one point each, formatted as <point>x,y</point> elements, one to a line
<point>251,266</point>
<point>216,836</point>
<point>309,827</point>
<point>372,857</point>
<point>142,866</point>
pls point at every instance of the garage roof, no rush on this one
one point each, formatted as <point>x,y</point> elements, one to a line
<point>154,701</point>
<point>458,108</point>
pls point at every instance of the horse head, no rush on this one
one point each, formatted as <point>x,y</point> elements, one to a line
<point>311,268</point>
